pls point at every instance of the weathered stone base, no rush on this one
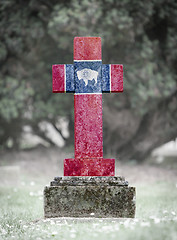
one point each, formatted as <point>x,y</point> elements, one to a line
<point>89,197</point>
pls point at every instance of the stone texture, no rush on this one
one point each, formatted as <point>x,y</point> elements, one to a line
<point>85,181</point>
<point>88,126</point>
<point>89,197</point>
<point>58,78</point>
<point>116,78</point>
<point>88,78</point>
<point>112,78</point>
<point>87,48</point>
<point>63,78</point>
<point>89,167</point>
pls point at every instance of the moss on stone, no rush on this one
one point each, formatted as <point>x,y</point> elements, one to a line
<point>103,200</point>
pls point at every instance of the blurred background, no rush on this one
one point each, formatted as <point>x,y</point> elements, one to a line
<point>141,35</point>
<point>37,126</point>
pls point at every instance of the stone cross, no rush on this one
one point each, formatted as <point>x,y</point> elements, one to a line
<point>88,78</point>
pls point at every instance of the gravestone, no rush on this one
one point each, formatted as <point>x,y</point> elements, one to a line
<point>89,187</point>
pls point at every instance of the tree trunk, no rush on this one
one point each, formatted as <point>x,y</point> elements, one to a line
<point>155,128</point>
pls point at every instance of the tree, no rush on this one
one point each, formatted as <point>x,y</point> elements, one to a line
<point>141,35</point>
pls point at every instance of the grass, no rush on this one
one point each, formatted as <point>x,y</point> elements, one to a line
<point>21,202</point>
<point>21,216</point>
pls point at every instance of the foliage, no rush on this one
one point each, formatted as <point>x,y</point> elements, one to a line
<point>36,34</point>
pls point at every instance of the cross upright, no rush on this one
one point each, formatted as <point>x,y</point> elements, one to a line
<point>88,78</point>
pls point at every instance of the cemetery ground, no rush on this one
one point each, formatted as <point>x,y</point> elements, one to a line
<point>24,174</point>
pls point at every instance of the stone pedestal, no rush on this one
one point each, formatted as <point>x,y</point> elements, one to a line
<point>89,197</point>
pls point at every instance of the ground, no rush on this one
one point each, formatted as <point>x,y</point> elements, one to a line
<point>24,174</point>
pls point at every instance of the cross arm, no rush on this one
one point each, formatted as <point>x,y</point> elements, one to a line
<point>112,78</point>
<point>63,78</point>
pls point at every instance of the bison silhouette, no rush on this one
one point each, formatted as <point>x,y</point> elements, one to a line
<point>87,74</point>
